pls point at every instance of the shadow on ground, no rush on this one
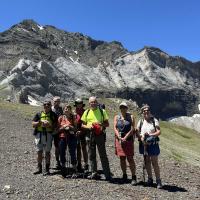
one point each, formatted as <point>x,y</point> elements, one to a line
<point>173,188</point>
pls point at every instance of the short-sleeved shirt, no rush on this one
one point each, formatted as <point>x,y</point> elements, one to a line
<point>147,127</point>
<point>92,116</point>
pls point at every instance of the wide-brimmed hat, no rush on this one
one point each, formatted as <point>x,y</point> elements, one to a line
<point>78,101</point>
<point>123,104</point>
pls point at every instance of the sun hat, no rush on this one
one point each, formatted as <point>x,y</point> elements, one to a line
<point>123,104</point>
<point>78,101</point>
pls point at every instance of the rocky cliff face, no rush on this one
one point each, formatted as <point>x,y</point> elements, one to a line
<point>44,61</point>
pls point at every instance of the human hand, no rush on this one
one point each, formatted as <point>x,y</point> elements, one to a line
<point>66,127</point>
<point>123,140</point>
<point>45,123</point>
<point>90,127</point>
<point>78,133</point>
<point>150,134</point>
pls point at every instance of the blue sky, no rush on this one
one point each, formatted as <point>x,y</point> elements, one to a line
<point>171,25</point>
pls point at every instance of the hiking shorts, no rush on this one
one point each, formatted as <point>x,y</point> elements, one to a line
<point>152,149</point>
<point>43,142</point>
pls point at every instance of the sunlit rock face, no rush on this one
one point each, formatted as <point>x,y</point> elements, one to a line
<point>42,61</point>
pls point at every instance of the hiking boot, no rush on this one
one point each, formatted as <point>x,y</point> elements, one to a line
<point>39,169</point>
<point>124,178</point>
<point>159,184</point>
<point>94,176</point>
<point>149,182</point>
<point>134,180</point>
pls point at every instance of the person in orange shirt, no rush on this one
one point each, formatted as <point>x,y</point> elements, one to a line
<point>67,137</point>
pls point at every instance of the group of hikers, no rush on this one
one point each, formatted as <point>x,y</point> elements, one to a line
<point>82,130</point>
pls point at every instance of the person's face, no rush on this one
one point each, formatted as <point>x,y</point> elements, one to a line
<point>47,107</point>
<point>56,102</point>
<point>67,110</point>
<point>146,113</point>
<point>79,105</point>
<point>93,103</point>
<point>123,109</point>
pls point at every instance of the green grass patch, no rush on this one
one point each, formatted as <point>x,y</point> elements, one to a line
<point>181,143</point>
<point>177,156</point>
<point>25,110</point>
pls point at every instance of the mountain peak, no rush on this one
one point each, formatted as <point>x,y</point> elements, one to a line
<point>29,22</point>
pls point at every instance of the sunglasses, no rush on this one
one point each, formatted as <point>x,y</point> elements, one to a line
<point>46,104</point>
<point>144,111</point>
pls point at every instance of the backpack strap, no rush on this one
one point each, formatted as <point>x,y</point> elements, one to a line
<point>153,121</point>
<point>141,123</point>
<point>102,116</point>
<point>87,112</point>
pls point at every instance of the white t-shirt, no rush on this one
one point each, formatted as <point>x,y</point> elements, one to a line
<point>147,127</point>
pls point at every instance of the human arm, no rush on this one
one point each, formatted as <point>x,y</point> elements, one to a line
<point>117,134</point>
<point>36,121</point>
<point>156,132</point>
<point>105,123</point>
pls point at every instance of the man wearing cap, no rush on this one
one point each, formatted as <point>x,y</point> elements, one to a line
<point>81,136</point>
<point>57,109</point>
<point>95,120</point>
<point>44,123</point>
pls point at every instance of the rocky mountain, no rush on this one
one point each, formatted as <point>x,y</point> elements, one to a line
<point>191,122</point>
<point>39,61</point>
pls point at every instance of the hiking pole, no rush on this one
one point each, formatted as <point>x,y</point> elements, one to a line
<point>44,159</point>
<point>67,160</point>
<point>144,161</point>
<point>44,143</point>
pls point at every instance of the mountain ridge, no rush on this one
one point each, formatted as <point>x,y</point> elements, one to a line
<point>41,61</point>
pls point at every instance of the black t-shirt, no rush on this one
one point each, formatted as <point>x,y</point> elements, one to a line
<point>58,111</point>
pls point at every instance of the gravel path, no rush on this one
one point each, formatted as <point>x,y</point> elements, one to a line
<point>18,161</point>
